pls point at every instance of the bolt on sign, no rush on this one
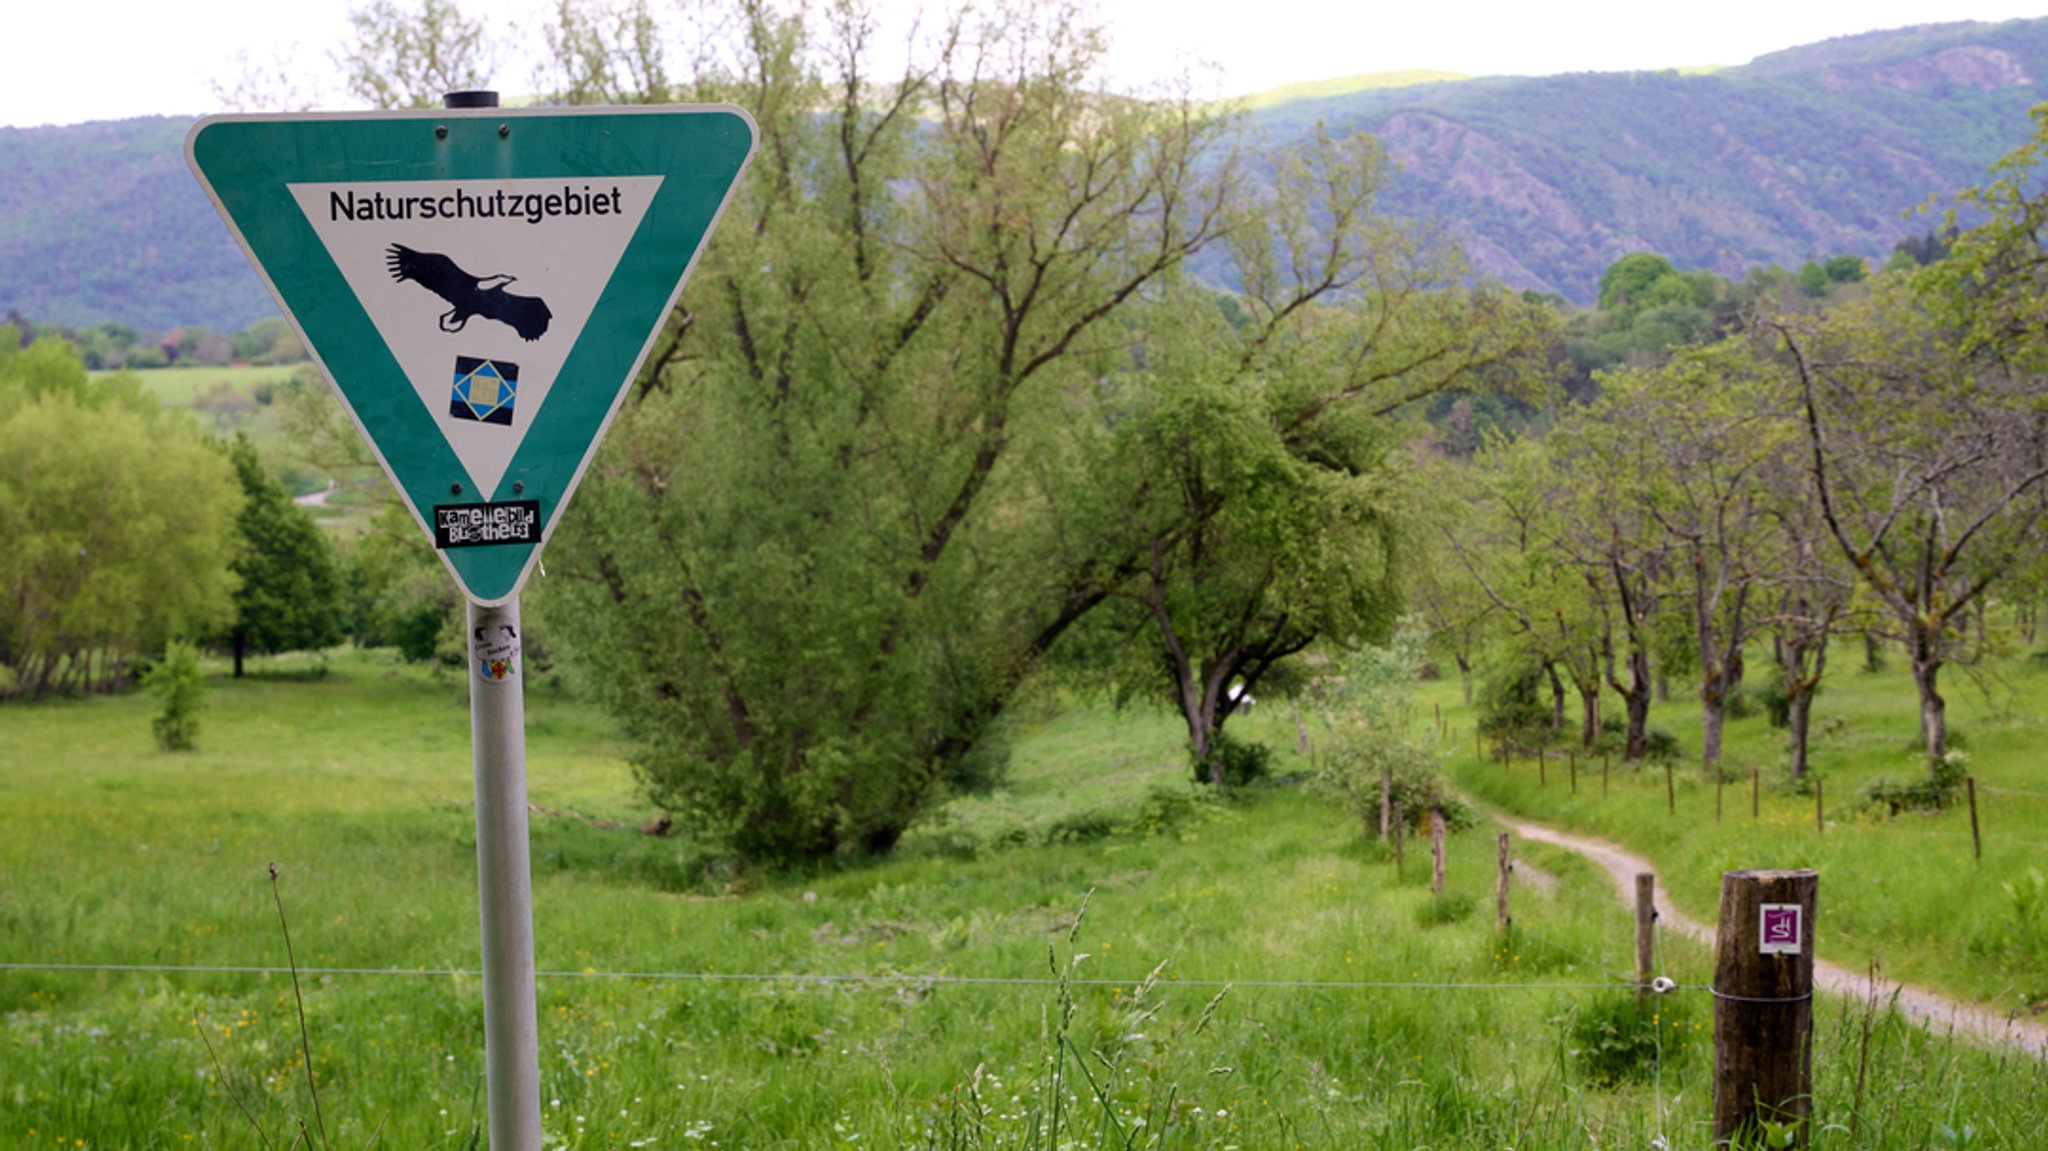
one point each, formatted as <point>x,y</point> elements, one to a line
<point>480,286</point>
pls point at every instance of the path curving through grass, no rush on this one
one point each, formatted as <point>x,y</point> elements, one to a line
<point>1927,1009</point>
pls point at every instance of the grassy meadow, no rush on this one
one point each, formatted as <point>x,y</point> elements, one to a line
<point>956,996</point>
<point>1905,891</point>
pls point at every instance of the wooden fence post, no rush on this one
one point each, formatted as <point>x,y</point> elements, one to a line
<point>1756,790</point>
<point>1976,839</point>
<point>1670,789</point>
<point>1436,850</point>
<point>1573,759</point>
<point>1398,821</point>
<point>1603,774</point>
<point>1720,786</point>
<point>1763,1006</point>
<point>1646,937</point>
<point>1820,822</point>
<point>1501,919</point>
<point>1542,764</point>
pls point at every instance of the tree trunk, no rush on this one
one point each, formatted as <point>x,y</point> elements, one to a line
<point>1933,714</point>
<point>1712,714</point>
<point>1465,675</point>
<point>1798,715</point>
<point>241,641</point>
<point>1589,714</point>
<point>1927,663</point>
<point>1556,699</point>
<point>1637,702</point>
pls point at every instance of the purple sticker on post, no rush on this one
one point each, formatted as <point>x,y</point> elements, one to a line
<point>1779,933</point>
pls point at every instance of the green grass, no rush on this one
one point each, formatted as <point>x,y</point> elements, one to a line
<point>1904,891</point>
<point>357,782</point>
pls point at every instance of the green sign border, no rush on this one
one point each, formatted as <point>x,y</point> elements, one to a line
<point>247,163</point>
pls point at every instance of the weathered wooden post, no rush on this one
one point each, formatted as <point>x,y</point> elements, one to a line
<point>1763,1007</point>
<point>1501,919</point>
<point>1436,849</point>
<point>1670,789</point>
<point>1603,774</point>
<point>1572,757</point>
<point>1756,790</point>
<point>1542,768</point>
<point>1976,839</point>
<point>1820,822</point>
<point>1398,821</point>
<point>1646,937</point>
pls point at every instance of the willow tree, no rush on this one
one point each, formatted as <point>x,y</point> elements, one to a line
<point>842,517</point>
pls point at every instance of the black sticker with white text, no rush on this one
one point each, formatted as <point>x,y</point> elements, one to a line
<point>486,525</point>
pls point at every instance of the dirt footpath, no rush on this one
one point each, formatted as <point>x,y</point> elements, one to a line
<point>1928,1009</point>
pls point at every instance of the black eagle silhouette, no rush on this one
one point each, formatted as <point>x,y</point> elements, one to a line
<point>469,295</point>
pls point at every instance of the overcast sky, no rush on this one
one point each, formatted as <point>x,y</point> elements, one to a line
<point>71,60</point>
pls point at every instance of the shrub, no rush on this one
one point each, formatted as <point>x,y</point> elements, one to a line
<point>1168,808</point>
<point>1443,910</point>
<point>1242,761</point>
<point>1889,797</point>
<point>1615,1042</point>
<point>1659,745</point>
<point>1772,697</point>
<point>1741,704</point>
<point>1511,705</point>
<point>177,680</point>
<point>2028,896</point>
<point>986,766</point>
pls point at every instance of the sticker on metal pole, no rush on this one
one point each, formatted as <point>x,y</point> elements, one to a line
<point>1779,932</point>
<point>496,648</point>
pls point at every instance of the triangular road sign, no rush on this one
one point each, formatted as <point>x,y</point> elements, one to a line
<point>480,286</point>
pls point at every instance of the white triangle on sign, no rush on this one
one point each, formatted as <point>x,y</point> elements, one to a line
<point>479,288</point>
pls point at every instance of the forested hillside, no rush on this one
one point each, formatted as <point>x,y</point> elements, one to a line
<point>1805,153</point>
<point>103,222</point>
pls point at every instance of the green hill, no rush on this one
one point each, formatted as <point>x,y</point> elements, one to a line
<point>103,221</point>
<point>1808,152</point>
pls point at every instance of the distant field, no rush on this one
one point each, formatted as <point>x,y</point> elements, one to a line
<point>179,387</point>
<point>1366,1012</point>
<point>228,400</point>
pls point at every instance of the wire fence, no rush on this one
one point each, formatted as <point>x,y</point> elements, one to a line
<point>833,979</point>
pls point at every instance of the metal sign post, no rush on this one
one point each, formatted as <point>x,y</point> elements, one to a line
<point>504,869</point>
<point>497,720</point>
<point>481,286</point>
